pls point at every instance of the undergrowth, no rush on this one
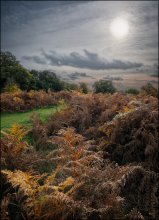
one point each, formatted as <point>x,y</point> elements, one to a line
<point>95,159</point>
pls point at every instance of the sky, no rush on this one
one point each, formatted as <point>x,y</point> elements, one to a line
<point>74,39</point>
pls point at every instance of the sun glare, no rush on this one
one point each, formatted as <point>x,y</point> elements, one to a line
<point>119,27</point>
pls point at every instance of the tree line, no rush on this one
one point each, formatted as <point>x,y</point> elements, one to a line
<point>13,73</point>
<point>14,76</point>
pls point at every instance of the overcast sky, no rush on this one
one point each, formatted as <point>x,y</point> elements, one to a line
<point>71,36</point>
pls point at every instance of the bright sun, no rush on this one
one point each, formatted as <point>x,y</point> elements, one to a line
<point>119,27</point>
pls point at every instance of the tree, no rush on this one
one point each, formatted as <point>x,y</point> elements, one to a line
<point>104,86</point>
<point>83,87</point>
<point>46,80</point>
<point>35,83</point>
<point>70,86</point>
<point>148,89</point>
<point>132,91</point>
<point>13,71</point>
<point>50,80</point>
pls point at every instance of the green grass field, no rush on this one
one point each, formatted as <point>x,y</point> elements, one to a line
<point>23,118</point>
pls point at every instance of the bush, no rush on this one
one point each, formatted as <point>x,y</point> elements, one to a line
<point>14,148</point>
<point>22,101</point>
<point>134,138</point>
<point>12,88</point>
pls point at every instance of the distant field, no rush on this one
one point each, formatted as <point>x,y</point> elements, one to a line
<point>23,118</point>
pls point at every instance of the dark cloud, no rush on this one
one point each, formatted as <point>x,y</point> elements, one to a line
<point>155,70</point>
<point>88,60</point>
<point>76,75</point>
<point>36,59</point>
<point>155,75</point>
<point>148,69</point>
<point>153,81</point>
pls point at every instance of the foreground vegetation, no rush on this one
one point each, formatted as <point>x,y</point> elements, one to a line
<point>97,158</point>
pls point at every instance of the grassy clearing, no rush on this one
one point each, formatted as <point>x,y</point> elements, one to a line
<point>23,118</point>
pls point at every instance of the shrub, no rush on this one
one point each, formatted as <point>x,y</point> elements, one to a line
<point>12,88</point>
<point>70,145</point>
<point>134,139</point>
<point>13,148</point>
<point>39,133</point>
<point>22,101</point>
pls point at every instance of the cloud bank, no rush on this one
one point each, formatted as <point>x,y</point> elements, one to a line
<point>87,60</point>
